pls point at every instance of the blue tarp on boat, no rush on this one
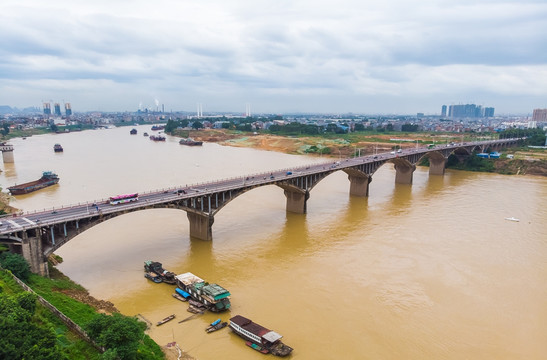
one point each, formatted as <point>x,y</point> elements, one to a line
<point>183,293</point>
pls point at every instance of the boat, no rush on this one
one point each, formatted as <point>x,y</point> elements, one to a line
<point>133,132</point>
<point>157,138</point>
<point>157,127</point>
<point>258,337</point>
<point>257,347</point>
<point>181,295</point>
<point>216,325</point>
<point>190,142</point>
<point>212,296</point>
<point>57,148</point>
<point>145,134</point>
<point>48,178</point>
<point>156,268</point>
<point>164,320</point>
<point>512,219</point>
<point>153,277</point>
<point>194,310</point>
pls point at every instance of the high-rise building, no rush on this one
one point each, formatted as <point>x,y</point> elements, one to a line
<point>57,108</point>
<point>47,108</point>
<point>539,115</point>
<point>488,112</point>
<point>443,111</point>
<point>469,111</point>
<point>68,109</point>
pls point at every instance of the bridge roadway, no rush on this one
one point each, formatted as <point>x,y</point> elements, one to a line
<point>42,232</point>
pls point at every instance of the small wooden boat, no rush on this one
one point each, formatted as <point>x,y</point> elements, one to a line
<point>153,277</point>
<point>179,297</point>
<point>196,304</point>
<point>163,321</point>
<point>257,347</point>
<point>194,310</point>
<point>216,325</point>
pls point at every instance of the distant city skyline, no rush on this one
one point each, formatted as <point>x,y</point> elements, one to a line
<point>390,57</point>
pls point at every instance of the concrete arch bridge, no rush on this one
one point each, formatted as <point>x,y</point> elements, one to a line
<point>38,234</point>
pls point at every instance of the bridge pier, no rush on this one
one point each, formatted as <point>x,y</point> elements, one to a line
<point>201,225</point>
<point>7,156</point>
<point>296,200</point>
<point>32,252</point>
<point>404,173</point>
<point>359,185</point>
<point>437,166</point>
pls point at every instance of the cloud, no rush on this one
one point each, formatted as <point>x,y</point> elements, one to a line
<point>274,54</point>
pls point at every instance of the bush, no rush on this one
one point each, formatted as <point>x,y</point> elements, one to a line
<point>16,264</point>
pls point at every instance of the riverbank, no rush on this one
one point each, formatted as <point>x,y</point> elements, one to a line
<point>524,162</point>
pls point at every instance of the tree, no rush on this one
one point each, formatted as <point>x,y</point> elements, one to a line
<point>171,126</point>
<point>197,125</point>
<point>117,333</point>
<point>5,129</point>
<point>359,127</point>
<point>16,264</point>
<point>22,336</point>
<point>409,127</point>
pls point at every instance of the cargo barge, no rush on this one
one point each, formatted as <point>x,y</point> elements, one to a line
<point>48,178</point>
<point>258,337</point>
<point>214,297</point>
<point>190,142</point>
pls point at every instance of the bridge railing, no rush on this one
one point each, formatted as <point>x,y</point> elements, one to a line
<point>299,169</point>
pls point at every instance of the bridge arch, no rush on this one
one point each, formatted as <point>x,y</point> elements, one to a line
<point>202,201</point>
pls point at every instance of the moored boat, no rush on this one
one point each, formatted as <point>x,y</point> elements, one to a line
<point>212,296</point>
<point>179,297</point>
<point>133,132</point>
<point>258,337</point>
<point>157,138</point>
<point>164,320</point>
<point>216,325</point>
<point>155,267</point>
<point>48,178</point>
<point>57,148</point>
<point>153,277</point>
<point>190,142</point>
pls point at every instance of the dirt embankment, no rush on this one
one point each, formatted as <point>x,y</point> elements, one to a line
<point>521,167</point>
<point>293,145</point>
<point>523,163</point>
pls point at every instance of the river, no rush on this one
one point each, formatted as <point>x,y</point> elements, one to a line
<point>424,271</point>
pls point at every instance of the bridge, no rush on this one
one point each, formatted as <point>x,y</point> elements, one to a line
<point>38,234</point>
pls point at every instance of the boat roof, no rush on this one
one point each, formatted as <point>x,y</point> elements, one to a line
<point>272,336</point>
<point>215,290</point>
<point>189,278</point>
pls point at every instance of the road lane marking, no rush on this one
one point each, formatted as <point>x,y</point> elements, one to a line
<point>29,221</point>
<point>14,223</point>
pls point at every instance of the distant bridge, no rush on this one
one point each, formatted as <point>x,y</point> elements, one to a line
<point>40,233</point>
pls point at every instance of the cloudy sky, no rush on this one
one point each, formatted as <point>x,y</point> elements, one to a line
<point>280,56</point>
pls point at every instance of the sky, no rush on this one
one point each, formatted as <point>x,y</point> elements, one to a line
<point>278,56</point>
